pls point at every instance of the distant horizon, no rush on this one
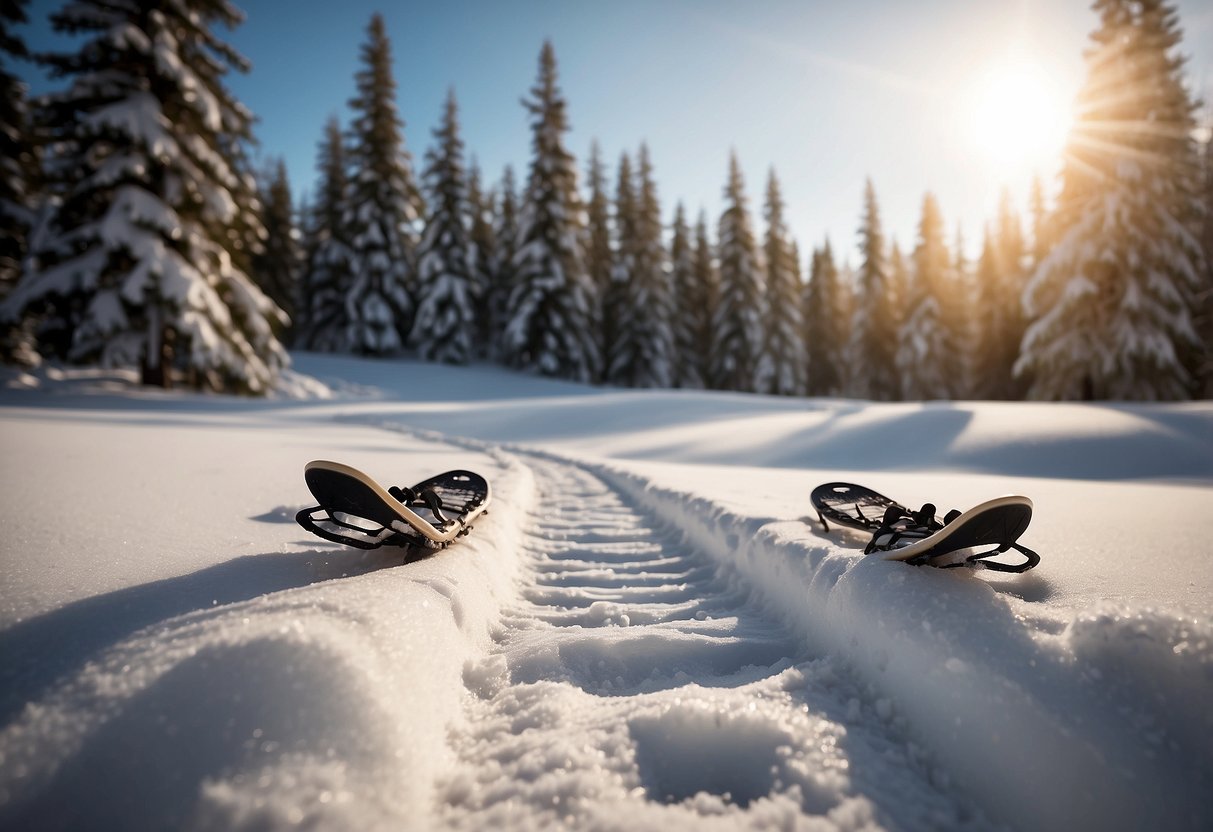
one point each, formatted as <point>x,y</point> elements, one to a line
<point>877,91</point>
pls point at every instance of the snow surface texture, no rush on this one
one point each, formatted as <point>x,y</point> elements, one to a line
<point>647,630</point>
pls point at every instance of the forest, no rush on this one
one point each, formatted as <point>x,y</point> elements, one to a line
<point>137,232</point>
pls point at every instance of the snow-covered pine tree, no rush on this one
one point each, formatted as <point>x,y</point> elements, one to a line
<point>643,349</point>
<point>1042,241</point>
<point>925,349</point>
<point>383,209</point>
<point>701,305</point>
<point>550,327</point>
<point>505,228</point>
<point>964,331</point>
<point>1112,305</point>
<point>615,299</point>
<point>1204,315</point>
<point>873,338</point>
<point>823,318</point>
<point>688,371</point>
<point>599,255</point>
<point>276,267</point>
<point>18,163</point>
<point>739,336</point>
<point>447,289</point>
<point>483,239</point>
<point>781,368</point>
<point>329,269</point>
<point>151,170</point>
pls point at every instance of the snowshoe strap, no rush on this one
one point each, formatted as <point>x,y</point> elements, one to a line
<point>1031,559</point>
<point>359,538</point>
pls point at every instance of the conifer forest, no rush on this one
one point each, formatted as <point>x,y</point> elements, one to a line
<point>138,232</point>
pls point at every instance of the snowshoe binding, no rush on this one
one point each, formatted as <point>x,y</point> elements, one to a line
<point>357,511</point>
<point>920,537</point>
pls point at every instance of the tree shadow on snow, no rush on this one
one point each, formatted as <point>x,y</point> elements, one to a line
<point>42,650</point>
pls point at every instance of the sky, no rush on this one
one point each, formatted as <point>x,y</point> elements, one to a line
<point>923,96</point>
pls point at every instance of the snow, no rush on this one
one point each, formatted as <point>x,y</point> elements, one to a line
<point>648,629</point>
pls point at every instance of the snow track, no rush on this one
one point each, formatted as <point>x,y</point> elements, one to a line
<point>636,678</point>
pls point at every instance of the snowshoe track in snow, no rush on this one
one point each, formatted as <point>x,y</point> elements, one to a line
<point>633,675</point>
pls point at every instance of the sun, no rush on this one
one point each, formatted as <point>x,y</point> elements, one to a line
<point>1019,118</point>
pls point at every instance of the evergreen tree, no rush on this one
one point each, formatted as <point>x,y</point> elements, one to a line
<point>964,332</point>
<point>18,164</point>
<point>550,326</point>
<point>485,256</point>
<point>1042,241</point>
<point>445,325</point>
<point>615,300</point>
<point>701,304</point>
<point>689,297</point>
<point>642,350</point>
<point>1204,315</point>
<point>782,368</point>
<point>824,335</point>
<point>505,229</point>
<point>383,208</point>
<point>738,326</point>
<point>277,265</point>
<point>925,348</point>
<point>328,273</point>
<point>1112,304</point>
<point>144,263</point>
<point>600,258</point>
<point>873,336</point>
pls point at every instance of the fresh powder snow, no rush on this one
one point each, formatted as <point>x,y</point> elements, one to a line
<point>648,629</point>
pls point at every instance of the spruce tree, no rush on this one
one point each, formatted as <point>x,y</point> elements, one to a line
<point>505,229</point>
<point>328,272</point>
<point>1204,314</point>
<point>926,350</point>
<point>550,327</point>
<point>447,289</point>
<point>739,336</point>
<point>824,335</point>
<point>1112,305</point>
<point>873,338</point>
<point>688,295</point>
<point>614,301</point>
<point>143,265</point>
<point>782,368</point>
<point>383,209</point>
<point>484,253</point>
<point>276,267</point>
<point>18,164</point>
<point>643,346</point>
<point>701,305</point>
<point>599,253</point>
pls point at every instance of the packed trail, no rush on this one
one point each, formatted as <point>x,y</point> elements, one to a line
<point>702,709</point>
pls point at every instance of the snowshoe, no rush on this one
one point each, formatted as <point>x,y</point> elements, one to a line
<point>920,537</point>
<point>357,511</point>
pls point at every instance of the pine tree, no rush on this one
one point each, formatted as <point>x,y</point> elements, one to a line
<point>599,254</point>
<point>144,265</point>
<point>614,301</point>
<point>1204,315</point>
<point>505,229</point>
<point>642,349</point>
<point>739,337</point>
<point>964,331</point>
<point>550,326</point>
<point>1042,240</point>
<point>782,367</point>
<point>688,295</point>
<point>383,208</point>
<point>700,306</point>
<point>277,266</point>
<point>1112,304</point>
<point>485,257</point>
<point>824,336</point>
<point>328,273</point>
<point>925,347</point>
<point>873,336</point>
<point>18,164</point>
<point>445,325</point>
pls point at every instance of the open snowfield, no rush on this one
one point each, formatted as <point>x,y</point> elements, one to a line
<point>644,632</point>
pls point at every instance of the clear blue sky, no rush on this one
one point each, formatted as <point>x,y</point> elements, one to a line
<point>828,93</point>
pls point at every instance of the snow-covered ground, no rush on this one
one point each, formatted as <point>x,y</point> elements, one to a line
<point>645,631</point>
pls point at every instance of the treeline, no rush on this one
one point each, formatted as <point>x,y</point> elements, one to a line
<point>144,239</point>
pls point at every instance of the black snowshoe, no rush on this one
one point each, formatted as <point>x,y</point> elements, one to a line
<point>357,511</point>
<point>919,537</point>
